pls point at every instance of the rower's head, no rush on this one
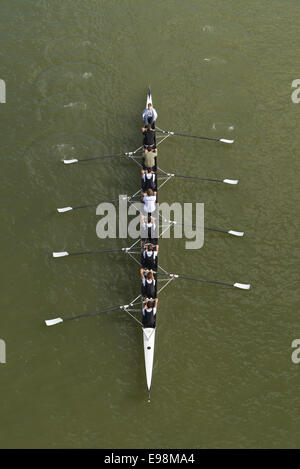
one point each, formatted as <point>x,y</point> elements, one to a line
<point>149,106</point>
<point>149,276</point>
<point>149,218</point>
<point>148,127</point>
<point>149,304</point>
<point>149,192</point>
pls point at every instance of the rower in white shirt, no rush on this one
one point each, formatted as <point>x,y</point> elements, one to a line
<point>150,116</point>
<point>149,199</point>
<point>148,227</point>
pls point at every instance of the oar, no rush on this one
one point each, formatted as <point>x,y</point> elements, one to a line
<point>52,322</point>
<point>242,286</point>
<point>230,232</point>
<point>225,181</point>
<point>223,140</point>
<point>74,160</point>
<point>66,253</point>
<point>68,209</point>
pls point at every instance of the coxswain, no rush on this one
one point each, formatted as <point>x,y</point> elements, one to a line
<point>149,257</point>
<point>148,283</point>
<point>149,116</point>
<point>149,141</point>
<point>149,313</point>
<point>149,199</point>
<point>148,180</point>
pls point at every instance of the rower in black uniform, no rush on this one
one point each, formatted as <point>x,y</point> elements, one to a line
<point>149,257</point>
<point>149,180</point>
<point>149,288</point>
<point>149,313</point>
<point>149,141</point>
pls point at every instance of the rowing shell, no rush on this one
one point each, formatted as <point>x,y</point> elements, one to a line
<point>149,332</point>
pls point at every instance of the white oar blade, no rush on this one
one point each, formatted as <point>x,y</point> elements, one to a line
<point>224,140</point>
<point>243,286</point>
<point>60,254</point>
<point>64,209</point>
<point>70,161</point>
<point>52,322</point>
<point>236,233</point>
<point>230,181</point>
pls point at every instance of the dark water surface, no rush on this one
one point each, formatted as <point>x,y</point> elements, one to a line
<point>76,75</point>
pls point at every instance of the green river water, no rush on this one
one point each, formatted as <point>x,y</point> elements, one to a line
<point>76,75</point>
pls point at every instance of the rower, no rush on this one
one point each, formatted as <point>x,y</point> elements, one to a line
<point>149,199</point>
<point>148,283</point>
<point>148,227</point>
<point>149,160</point>
<point>149,141</point>
<point>147,241</point>
<point>148,180</point>
<point>149,257</point>
<point>149,115</point>
<point>149,313</point>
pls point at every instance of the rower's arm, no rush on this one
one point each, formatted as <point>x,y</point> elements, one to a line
<point>155,302</point>
<point>142,273</point>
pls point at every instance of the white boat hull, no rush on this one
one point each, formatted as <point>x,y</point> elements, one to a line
<point>149,342</point>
